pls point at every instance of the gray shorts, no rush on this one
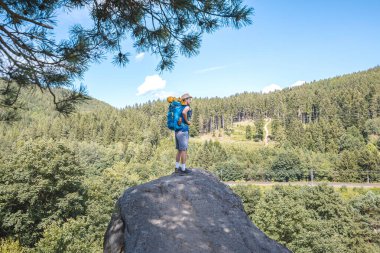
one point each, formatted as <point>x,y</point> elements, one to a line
<point>181,140</point>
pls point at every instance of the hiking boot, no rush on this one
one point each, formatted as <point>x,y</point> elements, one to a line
<point>176,170</point>
<point>186,172</point>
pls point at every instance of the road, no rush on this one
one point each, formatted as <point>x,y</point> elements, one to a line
<point>333,184</point>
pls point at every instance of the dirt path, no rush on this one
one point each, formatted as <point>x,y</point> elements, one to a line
<point>266,132</point>
<point>333,184</point>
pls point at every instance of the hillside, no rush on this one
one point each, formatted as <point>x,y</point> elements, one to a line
<point>339,102</point>
<point>330,126</point>
<point>349,99</point>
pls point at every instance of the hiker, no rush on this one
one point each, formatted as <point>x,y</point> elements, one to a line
<point>182,135</point>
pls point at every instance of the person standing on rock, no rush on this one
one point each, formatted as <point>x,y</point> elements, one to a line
<point>182,135</point>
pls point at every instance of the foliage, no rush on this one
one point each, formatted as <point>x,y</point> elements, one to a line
<point>372,126</point>
<point>73,236</point>
<point>259,125</point>
<point>210,153</point>
<point>99,151</point>
<point>248,132</point>
<point>165,28</point>
<point>367,207</point>
<point>313,219</point>
<point>351,140</point>
<point>250,196</point>
<point>358,165</point>
<point>230,170</point>
<point>10,246</point>
<point>287,166</point>
<point>278,131</point>
<point>41,182</point>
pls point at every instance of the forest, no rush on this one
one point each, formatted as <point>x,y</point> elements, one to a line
<point>61,175</point>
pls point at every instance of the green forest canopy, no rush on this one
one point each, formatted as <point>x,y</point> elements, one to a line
<point>330,126</point>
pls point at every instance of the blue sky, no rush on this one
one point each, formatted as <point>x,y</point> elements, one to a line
<point>289,42</point>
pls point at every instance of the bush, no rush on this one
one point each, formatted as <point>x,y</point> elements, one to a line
<point>71,237</point>
<point>229,171</point>
<point>287,167</point>
<point>40,182</point>
<point>314,219</point>
<point>10,246</point>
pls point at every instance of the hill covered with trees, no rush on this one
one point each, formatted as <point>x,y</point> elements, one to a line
<point>329,126</point>
<point>60,176</point>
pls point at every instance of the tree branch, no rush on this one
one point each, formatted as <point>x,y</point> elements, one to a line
<point>15,15</point>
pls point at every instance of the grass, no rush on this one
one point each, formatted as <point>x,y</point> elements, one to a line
<point>236,139</point>
<point>237,135</point>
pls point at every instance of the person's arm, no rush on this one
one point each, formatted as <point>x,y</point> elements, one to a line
<point>184,114</point>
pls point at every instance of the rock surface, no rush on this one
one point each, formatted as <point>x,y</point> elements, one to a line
<point>184,214</point>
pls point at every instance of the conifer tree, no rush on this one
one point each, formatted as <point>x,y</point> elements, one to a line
<point>248,132</point>
<point>31,57</point>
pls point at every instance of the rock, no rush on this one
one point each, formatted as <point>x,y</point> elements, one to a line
<point>195,213</point>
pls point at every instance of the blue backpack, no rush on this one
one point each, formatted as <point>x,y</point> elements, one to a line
<point>175,115</point>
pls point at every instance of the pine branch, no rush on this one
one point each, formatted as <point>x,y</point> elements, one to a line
<point>16,16</point>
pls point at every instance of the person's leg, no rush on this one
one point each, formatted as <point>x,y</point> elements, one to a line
<point>177,159</point>
<point>178,156</point>
<point>183,160</point>
<point>183,156</point>
<point>183,144</point>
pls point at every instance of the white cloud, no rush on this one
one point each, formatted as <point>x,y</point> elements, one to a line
<point>140,56</point>
<point>202,71</point>
<point>271,88</point>
<point>151,83</point>
<point>298,83</point>
<point>163,94</point>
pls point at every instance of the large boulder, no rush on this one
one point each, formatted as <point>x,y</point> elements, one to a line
<point>179,214</point>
